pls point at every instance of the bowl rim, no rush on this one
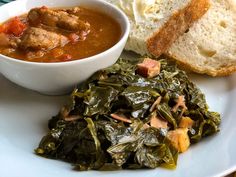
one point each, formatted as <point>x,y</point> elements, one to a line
<point>123,38</point>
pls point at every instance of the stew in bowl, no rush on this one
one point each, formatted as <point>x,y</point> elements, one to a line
<point>50,49</point>
<point>56,35</point>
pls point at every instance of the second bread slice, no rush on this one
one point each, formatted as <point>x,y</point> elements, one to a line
<point>156,24</point>
<point>209,47</point>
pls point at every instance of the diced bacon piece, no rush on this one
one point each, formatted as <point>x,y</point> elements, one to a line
<point>121,118</point>
<point>157,122</point>
<point>186,122</point>
<point>155,104</point>
<point>145,126</point>
<point>149,68</point>
<point>72,118</point>
<point>180,102</point>
<point>179,139</point>
<point>64,112</point>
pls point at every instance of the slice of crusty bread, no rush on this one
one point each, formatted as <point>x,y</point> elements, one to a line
<point>210,44</point>
<point>156,36</point>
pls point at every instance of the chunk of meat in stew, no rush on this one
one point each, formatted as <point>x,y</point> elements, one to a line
<point>57,18</point>
<point>7,41</point>
<point>40,39</point>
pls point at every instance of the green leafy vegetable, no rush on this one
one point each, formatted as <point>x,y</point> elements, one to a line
<point>87,134</point>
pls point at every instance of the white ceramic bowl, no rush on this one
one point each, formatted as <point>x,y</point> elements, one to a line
<point>60,78</point>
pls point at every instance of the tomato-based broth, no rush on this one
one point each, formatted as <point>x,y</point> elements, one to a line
<point>57,35</point>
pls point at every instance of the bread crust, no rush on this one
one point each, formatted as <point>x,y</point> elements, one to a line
<point>176,26</point>
<point>223,71</point>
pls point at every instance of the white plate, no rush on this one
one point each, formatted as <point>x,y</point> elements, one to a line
<point>23,121</point>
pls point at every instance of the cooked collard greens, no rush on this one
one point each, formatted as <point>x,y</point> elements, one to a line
<point>134,114</point>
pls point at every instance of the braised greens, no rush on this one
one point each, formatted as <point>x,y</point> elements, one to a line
<point>108,123</point>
